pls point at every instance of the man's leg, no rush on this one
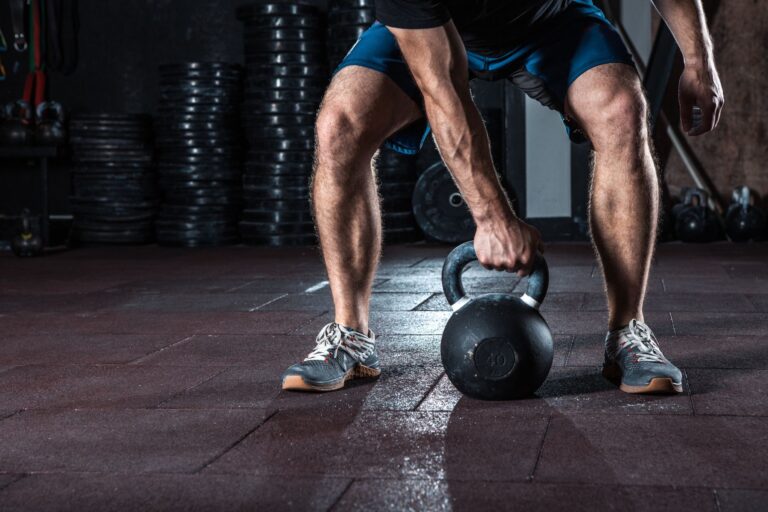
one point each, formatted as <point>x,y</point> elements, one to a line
<point>608,103</point>
<point>361,109</point>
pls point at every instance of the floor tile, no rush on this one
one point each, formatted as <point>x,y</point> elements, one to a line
<point>738,392</point>
<point>656,450</point>
<point>452,495</point>
<point>175,302</point>
<point>124,493</point>
<point>742,500</point>
<point>484,445</point>
<point>61,387</point>
<point>121,441</point>
<point>390,322</point>
<point>322,302</point>
<point>714,302</point>
<point>729,324</point>
<point>69,348</point>
<point>553,302</point>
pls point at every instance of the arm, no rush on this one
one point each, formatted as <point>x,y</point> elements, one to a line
<point>438,62</point>
<point>699,83</point>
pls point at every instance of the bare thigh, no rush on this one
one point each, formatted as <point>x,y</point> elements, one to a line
<point>361,108</point>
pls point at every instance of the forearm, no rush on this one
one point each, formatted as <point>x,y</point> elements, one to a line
<point>463,143</point>
<point>686,21</point>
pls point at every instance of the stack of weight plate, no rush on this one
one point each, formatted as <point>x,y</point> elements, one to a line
<point>347,20</point>
<point>199,153</point>
<point>397,179</point>
<point>113,180</point>
<point>287,74</point>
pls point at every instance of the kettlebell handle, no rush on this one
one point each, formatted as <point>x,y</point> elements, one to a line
<point>461,256</point>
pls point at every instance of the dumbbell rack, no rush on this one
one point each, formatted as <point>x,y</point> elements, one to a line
<point>41,154</point>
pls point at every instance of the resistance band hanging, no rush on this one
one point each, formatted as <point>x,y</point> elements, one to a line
<point>34,87</point>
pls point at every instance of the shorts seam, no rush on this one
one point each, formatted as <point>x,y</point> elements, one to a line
<point>381,69</point>
<point>593,64</point>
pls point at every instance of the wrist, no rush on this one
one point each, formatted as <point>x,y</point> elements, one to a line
<point>494,213</point>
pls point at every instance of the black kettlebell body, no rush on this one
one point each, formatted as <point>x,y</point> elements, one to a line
<point>695,222</point>
<point>495,346</point>
<point>26,243</point>
<point>16,126</point>
<point>50,123</point>
<point>744,221</point>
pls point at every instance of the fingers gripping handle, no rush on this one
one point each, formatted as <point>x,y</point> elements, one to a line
<point>538,281</point>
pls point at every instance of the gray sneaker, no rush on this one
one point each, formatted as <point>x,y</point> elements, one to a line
<point>634,360</point>
<point>341,354</point>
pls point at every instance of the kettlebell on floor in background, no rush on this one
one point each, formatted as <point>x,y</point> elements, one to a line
<point>50,124</point>
<point>744,221</point>
<point>695,221</point>
<point>495,346</point>
<point>26,242</point>
<point>17,124</point>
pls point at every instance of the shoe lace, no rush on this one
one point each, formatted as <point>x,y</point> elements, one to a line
<point>641,338</point>
<point>334,337</point>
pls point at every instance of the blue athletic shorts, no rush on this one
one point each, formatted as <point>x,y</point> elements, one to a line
<point>544,66</point>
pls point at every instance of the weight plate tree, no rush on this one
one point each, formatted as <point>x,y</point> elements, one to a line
<point>286,75</point>
<point>115,196</point>
<point>199,153</point>
<point>347,20</point>
<point>397,175</point>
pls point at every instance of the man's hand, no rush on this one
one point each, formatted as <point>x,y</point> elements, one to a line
<point>700,87</point>
<point>509,246</point>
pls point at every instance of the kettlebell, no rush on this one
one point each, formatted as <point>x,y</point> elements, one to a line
<point>743,220</point>
<point>50,123</point>
<point>695,221</point>
<point>495,346</point>
<point>16,127</point>
<point>26,243</point>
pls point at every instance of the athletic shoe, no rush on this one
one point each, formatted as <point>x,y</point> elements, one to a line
<point>634,360</point>
<point>341,354</point>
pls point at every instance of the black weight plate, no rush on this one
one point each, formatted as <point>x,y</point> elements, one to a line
<point>182,170</point>
<point>290,21</point>
<point>190,244</point>
<point>278,205</point>
<point>174,67</point>
<point>295,70</point>
<point>110,168</point>
<point>262,46</point>
<point>260,83</point>
<point>202,109</point>
<point>295,120</point>
<point>213,82</point>
<point>121,237</point>
<point>95,225</point>
<point>439,209</point>
<point>251,108</point>
<point>282,157</point>
<point>215,161</point>
<point>351,17</point>
<point>285,58</point>
<point>171,152</point>
<point>283,144</point>
<point>299,95</point>
<point>248,228</point>
<point>341,5</point>
<point>281,132</point>
<point>399,220</point>
<point>184,98</point>
<point>195,126</point>
<point>200,184</point>
<point>191,210</point>
<point>90,141</point>
<point>234,78</point>
<point>304,169</point>
<point>227,121</point>
<point>396,188</point>
<point>188,140</point>
<point>267,33</point>
<point>258,193</point>
<point>250,11</point>
<point>102,157</point>
<point>278,217</point>
<point>351,33</point>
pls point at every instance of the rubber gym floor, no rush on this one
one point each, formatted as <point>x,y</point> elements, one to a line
<point>148,379</point>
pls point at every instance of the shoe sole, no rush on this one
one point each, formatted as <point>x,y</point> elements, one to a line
<point>297,382</point>
<point>657,386</point>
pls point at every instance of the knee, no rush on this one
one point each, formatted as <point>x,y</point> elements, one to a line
<point>340,136</point>
<point>619,122</point>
